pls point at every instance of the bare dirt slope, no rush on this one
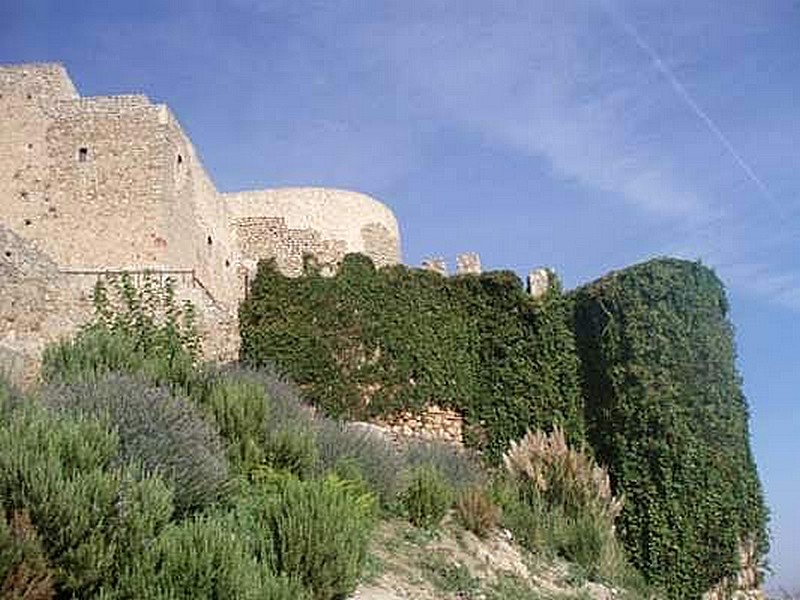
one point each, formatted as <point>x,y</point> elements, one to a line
<point>452,563</point>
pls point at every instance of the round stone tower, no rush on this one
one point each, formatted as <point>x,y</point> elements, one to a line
<point>288,223</point>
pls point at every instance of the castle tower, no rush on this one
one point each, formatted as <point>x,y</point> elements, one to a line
<point>288,223</point>
<point>92,185</point>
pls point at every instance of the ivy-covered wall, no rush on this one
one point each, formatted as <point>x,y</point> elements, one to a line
<point>666,414</point>
<point>639,364</point>
<point>368,342</point>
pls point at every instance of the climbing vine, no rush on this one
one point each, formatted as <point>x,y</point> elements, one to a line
<point>666,413</point>
<point>640,365</point>
<point>368,342</point>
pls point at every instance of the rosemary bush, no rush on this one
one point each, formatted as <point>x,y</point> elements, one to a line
<point>89,515</point>
<point>312,531</point>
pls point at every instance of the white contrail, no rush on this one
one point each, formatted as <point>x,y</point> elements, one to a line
<point>682,92</point>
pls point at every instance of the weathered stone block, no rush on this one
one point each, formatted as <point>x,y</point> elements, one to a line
<point>435,264</point>
<point>538,282</point>
<point>468,263</point>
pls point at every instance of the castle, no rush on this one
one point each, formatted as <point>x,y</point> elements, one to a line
<point>93,186</point>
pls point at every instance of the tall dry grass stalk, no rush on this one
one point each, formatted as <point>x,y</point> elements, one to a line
<point>561,474</point>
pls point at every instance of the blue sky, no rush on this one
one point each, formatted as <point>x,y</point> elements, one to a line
<point>583,135</point>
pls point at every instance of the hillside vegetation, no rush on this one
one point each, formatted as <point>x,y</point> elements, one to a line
<point>637,368</point>
<point>133,472</point>
<point>607,447</point>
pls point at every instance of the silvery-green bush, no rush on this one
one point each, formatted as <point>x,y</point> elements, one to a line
<point>160,431</point>
<point>357,451</point>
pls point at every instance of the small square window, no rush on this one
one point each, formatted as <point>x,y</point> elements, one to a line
<point>83,154</point>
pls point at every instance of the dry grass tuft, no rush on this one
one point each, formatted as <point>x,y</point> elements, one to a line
<point>476,511</point>
<point>562,474</point>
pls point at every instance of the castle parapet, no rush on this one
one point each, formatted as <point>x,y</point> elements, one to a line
<point>468,263</point>
<point>538,282</point>
<point>436,264</point>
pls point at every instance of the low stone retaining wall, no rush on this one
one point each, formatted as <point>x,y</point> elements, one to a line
<point>433,423</point>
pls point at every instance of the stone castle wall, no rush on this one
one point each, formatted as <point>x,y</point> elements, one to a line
<point>38,306</point>
<point>432,423</point>
<point>109,181</point>
<point>114,184</point>
<point>325,222</point>
<point>197,218</point>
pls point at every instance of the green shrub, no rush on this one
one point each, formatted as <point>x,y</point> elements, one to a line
<point>263,420</point>
<point>240,409</point>
<point>294,451</point>
<point>135,330</point>
<point>161,432</point>
<point>204,557</point>
<point>668,417</point>
<point>354,451</point>
<point>427,497</point>
<point>89,516</point>
<point>477,511</point>
<point>313,531</point>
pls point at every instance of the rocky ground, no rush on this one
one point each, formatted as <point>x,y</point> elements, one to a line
<point>453,564</point>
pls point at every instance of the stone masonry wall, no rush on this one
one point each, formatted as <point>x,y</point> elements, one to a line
<point>431,423</point>
<point>92,185</point>
<point>468,263</point>
<point>217,326</point>
<point>269,237</point>
<point>197,218</point>
<point>38,305</point>
<point>335,221</point>
<point>75,172</point>
<point>104,188</point>
<point>115,182</point>
<point>41,303</point>
<point>109,182</point>
<point>27,94</point>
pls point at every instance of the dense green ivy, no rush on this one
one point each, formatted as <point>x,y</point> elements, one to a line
<point>666,413</point>
<point>368,342</point>
<point>650,348</point>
